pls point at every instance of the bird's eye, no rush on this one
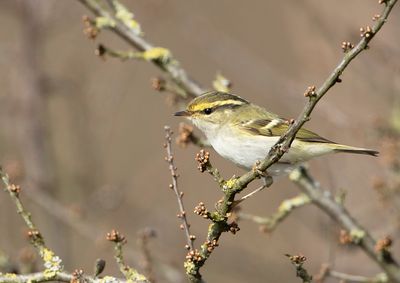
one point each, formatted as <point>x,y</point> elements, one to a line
<point>207,111</point>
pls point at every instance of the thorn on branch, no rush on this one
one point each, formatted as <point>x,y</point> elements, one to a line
<point>382,2</point>
<point>347,46</point>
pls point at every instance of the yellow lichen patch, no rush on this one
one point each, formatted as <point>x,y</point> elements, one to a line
<point>160,53</point>
<point>104,22</point>
<point>47,255</point>
<point>10,275</point>
<point>189,267</point>
<point>123,14</point>
<point>289,204</point>
<point>48,274</point>
<point>357,235</point>
<point>108,279</point>
<point>52,263</point>
<point>230,183</point>
<point>134,276</point>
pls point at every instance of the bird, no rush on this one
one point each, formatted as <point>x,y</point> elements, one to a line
<point>244,133</point>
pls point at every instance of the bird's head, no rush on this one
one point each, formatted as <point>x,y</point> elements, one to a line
<point>212,109</point>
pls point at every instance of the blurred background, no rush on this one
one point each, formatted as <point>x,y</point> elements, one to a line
<point>84,135</point>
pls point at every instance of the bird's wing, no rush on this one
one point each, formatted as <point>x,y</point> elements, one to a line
<point>276,127</point>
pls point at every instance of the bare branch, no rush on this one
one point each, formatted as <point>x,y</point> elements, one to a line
<point>172,68</point>
<point>326,272</point>
<point>174,187</point>
<point>268,224</point>
<point>130,273</point>
<point>301,272</point>
<point>337,212</point>
<point>144,236</point>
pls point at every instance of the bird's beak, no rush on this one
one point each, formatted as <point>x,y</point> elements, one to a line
<point>182,113</point>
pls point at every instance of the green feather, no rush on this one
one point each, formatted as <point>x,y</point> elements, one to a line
<point>268,124</point>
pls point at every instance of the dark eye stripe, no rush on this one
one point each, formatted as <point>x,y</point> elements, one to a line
<point>219,107</point>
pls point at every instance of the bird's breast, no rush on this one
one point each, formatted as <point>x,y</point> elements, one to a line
<point>242,149</point>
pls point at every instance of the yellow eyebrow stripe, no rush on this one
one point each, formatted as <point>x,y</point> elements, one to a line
<point>202,106</point>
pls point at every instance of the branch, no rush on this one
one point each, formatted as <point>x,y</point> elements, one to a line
<point>174,186</point>
<point>283,144</point>
<point>52,263</point>
<point>171,67</point>
<point>235,185</point>
<point>326,272</point>
<point>130,273</point>
<point>268,224</point>
<point>337,212</point>
<point>41,277</point>
<point>33,233</point>
<point>380,278</point>
<point>301,272</point>
<point>144,236</point>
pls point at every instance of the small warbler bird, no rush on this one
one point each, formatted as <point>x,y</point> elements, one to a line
<point>244,133</point>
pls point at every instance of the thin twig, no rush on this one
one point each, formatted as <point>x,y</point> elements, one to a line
<point>172,68</point>
<point>14,191</point>
<point>249,195</point>
<point>130,273</point>
<point>52,263</point>
<point>144,236</point>
<point>284,210</point>
<point>326,272</point>
<point>301,272</point>
<point>174,187</point>
<point>339,213</point>
<point>380,278</point>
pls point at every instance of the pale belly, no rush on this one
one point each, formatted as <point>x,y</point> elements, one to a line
<point>246,151</point>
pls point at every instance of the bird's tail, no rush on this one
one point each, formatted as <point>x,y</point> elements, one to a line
<point>356,150</point>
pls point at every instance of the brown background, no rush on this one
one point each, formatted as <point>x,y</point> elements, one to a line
<point>104,128</point>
